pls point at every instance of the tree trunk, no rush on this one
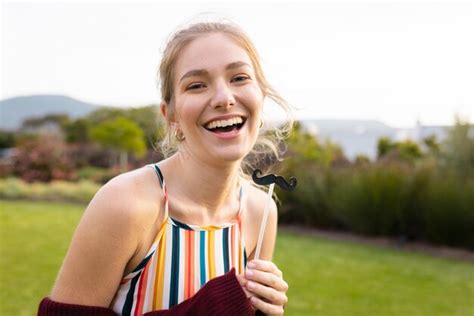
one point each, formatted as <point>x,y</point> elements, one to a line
<point>123,161</point>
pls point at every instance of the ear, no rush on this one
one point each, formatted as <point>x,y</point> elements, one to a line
<point>166,113</point>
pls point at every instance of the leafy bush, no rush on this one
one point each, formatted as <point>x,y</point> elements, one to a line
<point>447,207</point>
<point>97,175</point>
<point>42,159</point>
<point>82,191</point>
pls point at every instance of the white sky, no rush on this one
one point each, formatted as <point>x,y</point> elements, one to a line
<point>395,61</point>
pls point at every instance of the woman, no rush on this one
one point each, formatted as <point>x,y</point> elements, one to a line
<point>152,237</point>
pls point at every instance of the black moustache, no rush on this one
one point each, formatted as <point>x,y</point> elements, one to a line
<point>289,185</point>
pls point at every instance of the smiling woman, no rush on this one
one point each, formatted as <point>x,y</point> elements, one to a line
<point>146,244</point>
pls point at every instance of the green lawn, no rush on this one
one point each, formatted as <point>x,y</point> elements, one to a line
<point>325,277</point>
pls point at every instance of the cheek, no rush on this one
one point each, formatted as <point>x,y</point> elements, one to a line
<point>254,98</point>
<point>188,109</point>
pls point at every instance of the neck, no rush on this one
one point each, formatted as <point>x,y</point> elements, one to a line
<point>209,186</point>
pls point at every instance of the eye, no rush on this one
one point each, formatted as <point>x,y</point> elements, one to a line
<point>240,78</point>
<point>195,86</point>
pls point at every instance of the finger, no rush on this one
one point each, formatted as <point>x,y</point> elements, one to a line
<point>266,308</point>
<point>269,294</point>
<point>268,279</point>
<point>242,280</point>
<point>265,265</point>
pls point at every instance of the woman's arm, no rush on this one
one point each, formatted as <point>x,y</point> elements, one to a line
<point>103,243</point>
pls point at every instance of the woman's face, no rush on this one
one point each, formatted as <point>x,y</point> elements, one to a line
<point>217,99</point>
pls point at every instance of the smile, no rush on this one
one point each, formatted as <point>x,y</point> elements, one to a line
<point>230,125</point>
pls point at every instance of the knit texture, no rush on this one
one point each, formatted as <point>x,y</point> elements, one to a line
<point>49,307</point>
<point>220,296</point>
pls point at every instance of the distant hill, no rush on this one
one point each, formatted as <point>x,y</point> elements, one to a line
<point>14,111</point>
<point>361,136</point>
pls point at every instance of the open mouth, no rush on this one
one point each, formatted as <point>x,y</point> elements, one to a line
<point>225,126</point>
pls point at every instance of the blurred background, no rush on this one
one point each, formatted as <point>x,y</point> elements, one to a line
<point>382,221</point>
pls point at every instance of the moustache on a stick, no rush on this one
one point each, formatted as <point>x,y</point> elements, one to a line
<point>289,185</point>
<point>270,179</point>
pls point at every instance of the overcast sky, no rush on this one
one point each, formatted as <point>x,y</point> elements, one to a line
<point>394,61</point>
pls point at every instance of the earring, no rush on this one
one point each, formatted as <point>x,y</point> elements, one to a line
<point>179,135</point>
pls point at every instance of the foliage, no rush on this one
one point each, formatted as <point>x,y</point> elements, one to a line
<point>119,134</point>
<point>361,160</point>
<point>304,146</point>
<point>432,145</point>
<point>36,122</point>
<point>82,191</point>
<point>457,151</point>
<point>406,150</point>
<point>146,118</point>
<point>122,135</point>
<point>405,194</point>
<point>90,154</point>
<point>96,175</point>
<point>7,139</point>
<point>399,200</point>
<point>77,131</point>
<point>42,159</point>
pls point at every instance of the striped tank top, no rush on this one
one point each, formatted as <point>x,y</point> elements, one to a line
<point>181,259</point>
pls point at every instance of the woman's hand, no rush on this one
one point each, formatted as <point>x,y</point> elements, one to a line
<point>265,286</point>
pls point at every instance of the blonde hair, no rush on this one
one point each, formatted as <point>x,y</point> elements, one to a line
<point>268,147</point>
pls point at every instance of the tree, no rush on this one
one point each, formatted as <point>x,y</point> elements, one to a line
<point>432,145</point>
<point>76,131</point>
<point>146,118</point>
<point>7,139</point>
<point>406,150</point>
<point>361,160</point>
<point>303,145</point>
<point>121,135</point>
<point>409,150</point>
<point>384,146</point>
<point>457,151</point>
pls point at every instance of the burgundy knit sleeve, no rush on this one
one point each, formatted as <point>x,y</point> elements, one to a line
<point>220,296</point>
<point>49,307</point>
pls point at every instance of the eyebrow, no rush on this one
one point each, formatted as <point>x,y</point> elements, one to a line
<point>203,72</point>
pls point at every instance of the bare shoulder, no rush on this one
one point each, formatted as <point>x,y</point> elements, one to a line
<point>130,197</point>
<point>106,238</point>
<point>256,200</point>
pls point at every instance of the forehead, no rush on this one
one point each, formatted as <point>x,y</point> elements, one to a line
<point>210,52</point>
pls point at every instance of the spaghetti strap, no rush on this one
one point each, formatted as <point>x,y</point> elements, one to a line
<point>242,199</point>
<point>163,187</point>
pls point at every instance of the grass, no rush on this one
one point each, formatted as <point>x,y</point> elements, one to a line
<point>325,277</point>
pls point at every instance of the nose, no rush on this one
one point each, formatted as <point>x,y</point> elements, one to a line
<point>223,96</point>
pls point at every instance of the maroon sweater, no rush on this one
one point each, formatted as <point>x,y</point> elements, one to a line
<point>220,296</point>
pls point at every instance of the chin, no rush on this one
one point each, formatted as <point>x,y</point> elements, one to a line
<point>229,155</point>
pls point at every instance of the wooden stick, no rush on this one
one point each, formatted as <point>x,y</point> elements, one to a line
<point>263,225</point>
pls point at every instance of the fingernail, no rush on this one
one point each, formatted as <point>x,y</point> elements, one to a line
<point>251,265</point>
<point>249,272</point>
<point>250,285</point>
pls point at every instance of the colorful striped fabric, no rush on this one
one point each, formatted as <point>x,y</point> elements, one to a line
<point>180,261</point>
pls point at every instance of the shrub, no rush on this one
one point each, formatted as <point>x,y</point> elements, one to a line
<point>371,200</point>
<point>81,192</point>
<point>97,175</point>
<point>447,207</point>
<point>42,159</point>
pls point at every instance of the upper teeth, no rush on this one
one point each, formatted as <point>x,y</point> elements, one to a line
<point>224,123</point>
